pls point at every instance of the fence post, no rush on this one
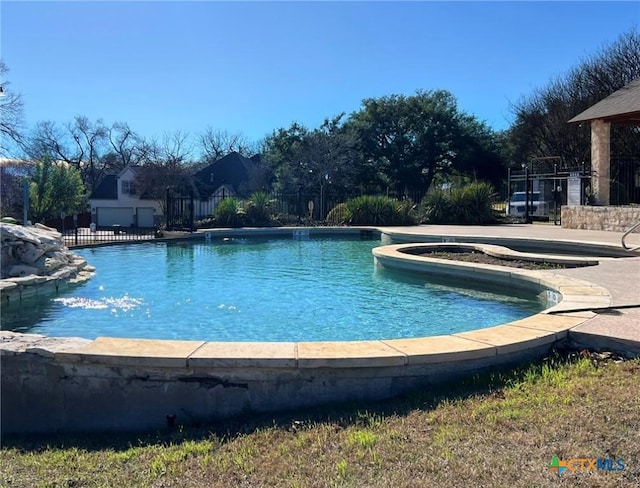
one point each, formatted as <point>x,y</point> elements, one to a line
<point>527,220</point>
<point>555,193</point>
<point>168,207</point>
<point>192,225</point>
<point>25,202</point>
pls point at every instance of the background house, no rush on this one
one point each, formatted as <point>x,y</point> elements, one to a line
<point>115,201</point>
<point>233,175</point>
<point>239,174</point>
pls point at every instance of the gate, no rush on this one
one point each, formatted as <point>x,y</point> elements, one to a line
<point>550,183</point>
<point>180,211</point>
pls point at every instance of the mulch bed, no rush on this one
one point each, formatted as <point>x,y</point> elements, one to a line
<point>482,258</point>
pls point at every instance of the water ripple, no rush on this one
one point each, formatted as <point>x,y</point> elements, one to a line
<point>124,304</point>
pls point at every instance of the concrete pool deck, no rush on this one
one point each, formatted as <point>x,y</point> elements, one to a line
<point>71,384</point>
<point>615,329</point>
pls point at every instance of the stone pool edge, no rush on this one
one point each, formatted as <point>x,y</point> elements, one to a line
<point>72,384</point>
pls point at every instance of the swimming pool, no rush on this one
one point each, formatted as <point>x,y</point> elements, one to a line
<point>267,289</point>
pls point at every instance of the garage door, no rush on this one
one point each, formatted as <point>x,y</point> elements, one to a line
<point>111,216</point>
<point>145,217</point>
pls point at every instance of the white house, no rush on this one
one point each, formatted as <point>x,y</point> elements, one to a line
<point>115,201</point>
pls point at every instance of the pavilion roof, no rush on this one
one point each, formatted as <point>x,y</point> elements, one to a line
<point>622,106</point>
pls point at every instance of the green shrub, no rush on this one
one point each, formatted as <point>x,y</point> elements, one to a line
<point>339,215</point>
<point>436,206</point>
<point>229,213</point>
<point>406,212</point>
<point>481,196</point>
<point>373,210</point>
<point>368,210</point>
<point>258,209</point>
<point>468,204</point>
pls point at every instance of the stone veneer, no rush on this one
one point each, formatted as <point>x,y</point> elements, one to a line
<point>35,261</point>
<point>614,219</point>
<point>601,160</point>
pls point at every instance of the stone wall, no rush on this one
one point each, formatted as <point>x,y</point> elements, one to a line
<point>52,385</point>
<point>615,219</point>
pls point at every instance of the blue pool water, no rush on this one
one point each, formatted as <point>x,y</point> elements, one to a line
<point>259,290</point>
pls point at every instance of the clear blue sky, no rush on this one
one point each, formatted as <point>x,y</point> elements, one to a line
<point>252,67</point>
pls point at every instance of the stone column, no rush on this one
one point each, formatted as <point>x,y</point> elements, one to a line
<point>600,160</point>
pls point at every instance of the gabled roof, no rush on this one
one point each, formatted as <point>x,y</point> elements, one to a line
<point>622,106</point>
<point>128,167</point>
<point>232,170</point>
<point>107,189</point>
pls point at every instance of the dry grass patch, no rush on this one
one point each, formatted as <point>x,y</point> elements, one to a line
<point>498,429</point>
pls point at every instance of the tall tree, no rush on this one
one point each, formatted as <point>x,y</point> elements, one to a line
<point>127,148</point>
<point>280,154</point>
<point>13,174</point>
<point>56,187</point>
<point>214,144</point>
<point>80,143</point>
<point>314,161</point>
<point>11,116</point>
<point>167,165</point>
<point>327,155</point>
<point>481,152</point>
<point>540,128</point>
<point>407,140</point>
<point>90,139</point>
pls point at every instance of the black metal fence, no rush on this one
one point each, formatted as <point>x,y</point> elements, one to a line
<point>180,211</point>
<point>538,190</point>
<point>83,236</point>
<point>186,212</point>
<point>625,180</point>
<point>557,183</point>
<point>70,222</point>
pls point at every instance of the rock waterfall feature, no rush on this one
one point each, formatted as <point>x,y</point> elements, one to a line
<point>36,261</point>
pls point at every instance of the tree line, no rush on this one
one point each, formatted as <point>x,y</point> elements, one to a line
<point>396,145</point>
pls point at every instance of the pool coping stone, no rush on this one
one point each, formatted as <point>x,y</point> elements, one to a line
<point>576,294</point>
<point>520,335</point>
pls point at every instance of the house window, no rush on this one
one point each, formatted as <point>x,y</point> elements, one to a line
<point>128,187</point>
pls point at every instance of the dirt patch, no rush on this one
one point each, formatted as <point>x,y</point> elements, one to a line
<point>482,258</point>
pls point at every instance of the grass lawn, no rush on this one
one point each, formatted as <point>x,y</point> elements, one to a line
<point>498,429</point>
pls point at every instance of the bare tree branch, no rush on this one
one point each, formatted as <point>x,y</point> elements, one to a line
<point>11,116</point>
<point>215,144</point>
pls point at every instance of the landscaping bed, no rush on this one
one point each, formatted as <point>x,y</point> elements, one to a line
<point>482,258</point>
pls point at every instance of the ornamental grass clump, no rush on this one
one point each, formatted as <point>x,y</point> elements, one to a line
<point>229,213</point>
<point>373,210</point>
<point>258,209</point>
<point>469,204</point>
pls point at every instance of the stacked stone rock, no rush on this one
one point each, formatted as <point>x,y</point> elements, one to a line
<point>613,219</point>
<point>35,260</point>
